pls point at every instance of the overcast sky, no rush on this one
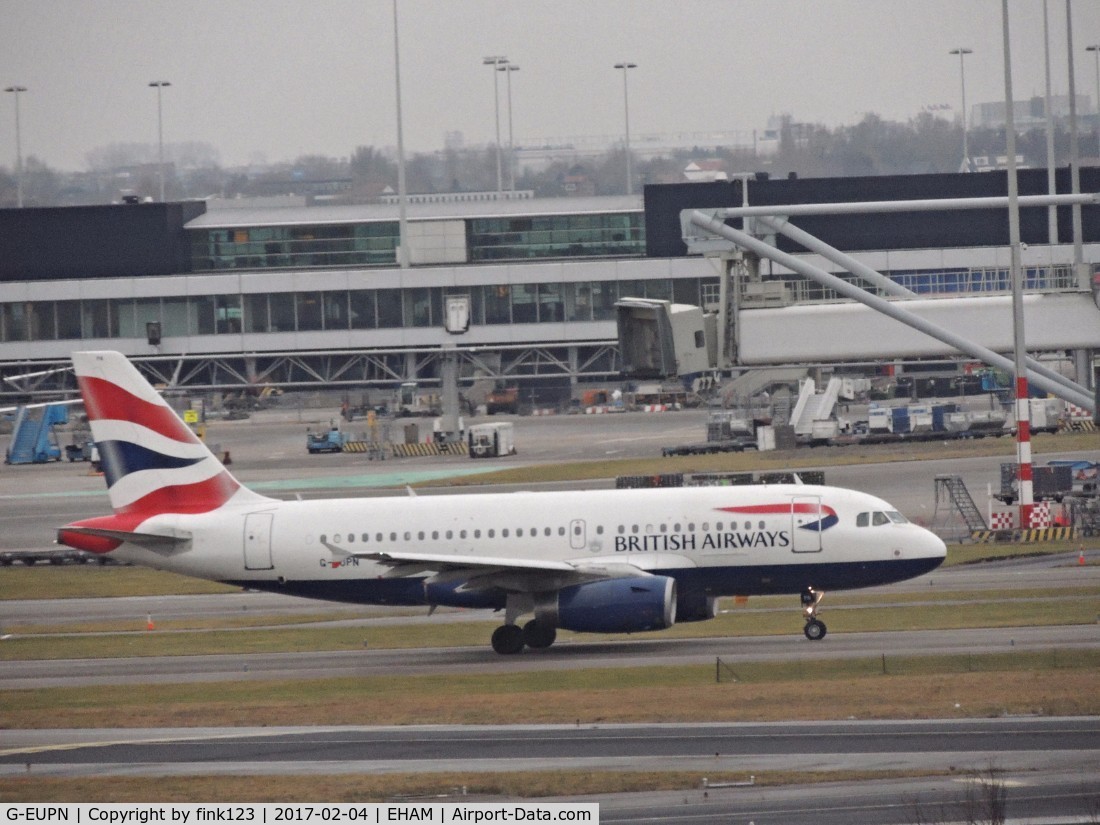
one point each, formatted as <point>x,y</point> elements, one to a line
<point>273,79</point>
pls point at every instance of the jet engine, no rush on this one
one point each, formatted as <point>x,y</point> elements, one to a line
<point>613,605</point>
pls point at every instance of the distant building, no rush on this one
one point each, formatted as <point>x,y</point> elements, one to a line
<point>1026,114</point>
<point>706,169</point>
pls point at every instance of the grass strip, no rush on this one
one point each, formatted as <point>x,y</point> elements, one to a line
<point>1055,682</point>
<point>435,787</point>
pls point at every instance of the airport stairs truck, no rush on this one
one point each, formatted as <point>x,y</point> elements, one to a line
<point>33,440</point>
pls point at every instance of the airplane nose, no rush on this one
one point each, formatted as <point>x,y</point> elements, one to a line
<point>934,545</point>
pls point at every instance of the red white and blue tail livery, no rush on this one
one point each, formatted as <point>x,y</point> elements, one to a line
<point>606,561</point>
<point>153,463</point>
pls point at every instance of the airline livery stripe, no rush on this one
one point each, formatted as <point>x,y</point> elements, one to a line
<point>104,400</point>
<point>113,430</point>
<point>776,509</point>
<point>137,486</point>
<point>189,498</point>
<point>120,458</point>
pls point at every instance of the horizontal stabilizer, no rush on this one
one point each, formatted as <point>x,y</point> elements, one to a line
<point>150,541</point>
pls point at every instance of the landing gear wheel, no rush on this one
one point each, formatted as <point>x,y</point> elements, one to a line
<point>814,630</point>
<point>508,639</point>
<point>538,634</point>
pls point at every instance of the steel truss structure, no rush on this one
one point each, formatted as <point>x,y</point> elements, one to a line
<point>530,364</point>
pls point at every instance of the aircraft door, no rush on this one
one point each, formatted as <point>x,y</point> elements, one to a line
<point>577,534</point>
<point>806,518</point>
<point>257,541</point>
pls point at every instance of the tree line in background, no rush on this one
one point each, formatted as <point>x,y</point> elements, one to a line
<point>874,146</point>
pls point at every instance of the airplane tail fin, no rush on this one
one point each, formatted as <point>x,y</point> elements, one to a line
<point>152,461</point>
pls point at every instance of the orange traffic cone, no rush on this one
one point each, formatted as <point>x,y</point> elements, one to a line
<point>1081,556</point>
<point>149,623</point>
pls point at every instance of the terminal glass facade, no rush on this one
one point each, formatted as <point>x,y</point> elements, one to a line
<point>521,238</point>
<point>297,247</point>
<point>326,310</point>
<point>609,235</point>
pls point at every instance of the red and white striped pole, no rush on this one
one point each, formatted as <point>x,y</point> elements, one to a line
<point>1023,452</point>
<point>1023,405</point>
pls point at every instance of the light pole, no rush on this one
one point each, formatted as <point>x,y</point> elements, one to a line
<point>1095,49</point>
<point>496,61</point>
<point>402,189</point>
<point>962,52</point>
<point>508,68</point>
<point>626,109</point>
<point>15,90</point>
<point>159,86</point>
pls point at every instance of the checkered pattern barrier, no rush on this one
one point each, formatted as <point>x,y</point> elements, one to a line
<point>1002,521</point>
<point>1040,515</point>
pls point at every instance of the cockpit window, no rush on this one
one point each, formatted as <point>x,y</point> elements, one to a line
<point>896,517</point>
<point>879,518</point>
<point>863,519</point>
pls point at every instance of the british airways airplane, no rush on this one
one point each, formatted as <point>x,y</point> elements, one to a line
<point>601,561</point>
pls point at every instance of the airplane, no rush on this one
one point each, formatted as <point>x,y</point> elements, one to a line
<point>599,561</point>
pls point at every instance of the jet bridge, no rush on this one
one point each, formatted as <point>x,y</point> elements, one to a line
<point>979,327</point>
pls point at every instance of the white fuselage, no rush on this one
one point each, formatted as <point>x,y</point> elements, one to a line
<point>722,540</point>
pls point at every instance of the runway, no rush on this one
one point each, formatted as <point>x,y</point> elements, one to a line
<point>1014,744</point>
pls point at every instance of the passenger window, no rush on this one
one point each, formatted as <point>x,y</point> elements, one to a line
<point>408,536</point>
<point>365,538</point>
<point>420,535</point>
<point>477,534</point>
<point>676,528</point>
<point>879,518</point>
<point>519,532</point>
<point>435,535</point>
<point>748,525</point>
<point>561,530</point>
<point>599,530</point>
<point>462,534</point>
<point>393,536</point>
<point>863,519</point>
<point>351,538</point>
<point>504,533</point>
<point>491,534</point>
<point>546,532</point>
<point>634,528</point>
<point>324,538</point>
<point>706,527</point>
<point>718,525</point>
<point>761,525</point>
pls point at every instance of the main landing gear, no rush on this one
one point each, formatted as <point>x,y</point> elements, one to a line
<point>509,639</point>
<point>815,628</point>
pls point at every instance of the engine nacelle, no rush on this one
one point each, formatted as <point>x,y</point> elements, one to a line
<point>695,606</point>
<point>615,605</point>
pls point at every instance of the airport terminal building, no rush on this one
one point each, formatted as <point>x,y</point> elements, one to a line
<point>223,294</point>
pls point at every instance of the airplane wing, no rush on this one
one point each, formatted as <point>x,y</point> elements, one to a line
<point>480,572</point>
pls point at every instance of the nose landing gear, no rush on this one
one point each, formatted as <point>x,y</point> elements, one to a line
<point>815,628</point>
